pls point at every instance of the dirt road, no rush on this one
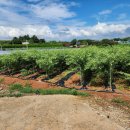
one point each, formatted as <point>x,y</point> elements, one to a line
<point>52,112</point>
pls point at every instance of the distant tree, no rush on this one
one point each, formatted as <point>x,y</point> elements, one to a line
<point>20,39</point>
<point>108,42</point>
<point>73,42</point>
<point>42,41</point>
<point>16,41</point>
<point>126,39</point>
<point>117,39</point>
<point>26,37</point>
<point>35,39</point>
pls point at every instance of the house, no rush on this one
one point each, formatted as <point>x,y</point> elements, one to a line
<point>124,42</point>
<point>25,43</point>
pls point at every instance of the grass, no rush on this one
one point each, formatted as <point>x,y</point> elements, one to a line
<point>1,80</point>
<point>62,91</point>
<point>121,102</point>
<point>11,95</point>
<point>121,88</point>
<point>28,89</point>
<point>16,86</point>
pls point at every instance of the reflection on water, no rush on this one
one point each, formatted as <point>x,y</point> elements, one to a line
<point>8,51</point>
<point>4,52</point>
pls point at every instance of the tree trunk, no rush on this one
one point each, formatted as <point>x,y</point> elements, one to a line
<point>110,75</point>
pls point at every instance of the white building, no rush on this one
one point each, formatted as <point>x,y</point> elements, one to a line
<point>25,43</point>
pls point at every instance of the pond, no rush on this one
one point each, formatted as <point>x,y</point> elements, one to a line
<point>8,51</point>
<point>4,52</point>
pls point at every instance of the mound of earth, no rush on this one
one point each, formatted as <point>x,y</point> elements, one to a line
<point>57,112</point>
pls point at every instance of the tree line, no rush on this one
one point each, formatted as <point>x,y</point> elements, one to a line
<point>20,39</point>
<point>35,40</point>
<point>102,42</point>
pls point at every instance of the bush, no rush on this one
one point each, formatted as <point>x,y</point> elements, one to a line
<point>27,90</point>
<point>24,72</point>
<point>16,86</point>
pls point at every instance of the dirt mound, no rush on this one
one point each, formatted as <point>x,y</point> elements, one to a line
<point>57,112</point>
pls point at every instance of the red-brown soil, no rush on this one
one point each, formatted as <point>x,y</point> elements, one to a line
<point>33,83</point>
<point>71,83</point>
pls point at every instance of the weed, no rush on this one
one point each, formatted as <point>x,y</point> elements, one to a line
<point>121,88</point>
<point>27,89</point>
<point>16,86</point>
<point>1,80</point>
<point>62,91</point>
<point>120,102</point>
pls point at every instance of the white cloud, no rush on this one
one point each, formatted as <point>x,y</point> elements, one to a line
<point>66,32</point>
<point>29,29</point>
<point>18,12</point>
<point>105,12</point>
<point>35,17</point>
<point>52,12</point>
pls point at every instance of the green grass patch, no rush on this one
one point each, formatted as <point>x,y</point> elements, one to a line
<point>28,89</point>
<point>62,91</point>
<point>16,86</point>
<point>11,95</point>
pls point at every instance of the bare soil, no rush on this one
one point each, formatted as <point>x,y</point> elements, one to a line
<point>57,112</point>
<point>60,112</point>
<point>35,84</point>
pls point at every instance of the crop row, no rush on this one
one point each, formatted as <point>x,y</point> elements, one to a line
<point>108,63</point>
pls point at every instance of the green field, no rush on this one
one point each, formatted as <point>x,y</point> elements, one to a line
<point>104,64</point>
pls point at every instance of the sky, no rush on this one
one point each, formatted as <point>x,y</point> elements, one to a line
<point>64,20</point>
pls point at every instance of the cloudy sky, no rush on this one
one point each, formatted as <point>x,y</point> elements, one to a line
<point>65,19</point>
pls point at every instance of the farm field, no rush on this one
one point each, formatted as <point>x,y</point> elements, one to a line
<point>58,112</point>
<point>64,65</point>
<point>27,76</point>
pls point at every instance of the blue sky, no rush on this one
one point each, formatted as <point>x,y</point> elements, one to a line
<point>65,19</point>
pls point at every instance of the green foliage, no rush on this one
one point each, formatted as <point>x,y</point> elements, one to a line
<point>32,45</point>
<point>27,89</point>
<point>62,91</point>
<point>125,76</point>
<point>101,62</point>
<point>11,95</point>
<point>16,86</point>
<point>25,72</point>
<point>20,39</point>
<point>73,42</point>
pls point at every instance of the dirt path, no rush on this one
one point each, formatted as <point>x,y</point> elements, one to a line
<point>57,112</point>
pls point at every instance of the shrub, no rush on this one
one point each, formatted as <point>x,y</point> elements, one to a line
<point>27,90</point>
<point>16,86</point>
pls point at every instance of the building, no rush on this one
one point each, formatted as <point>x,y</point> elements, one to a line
<point>25,43</point>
